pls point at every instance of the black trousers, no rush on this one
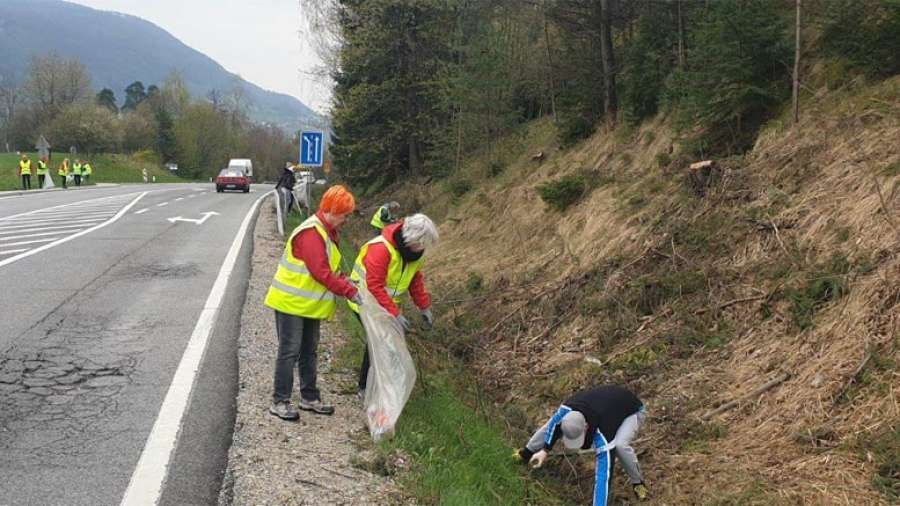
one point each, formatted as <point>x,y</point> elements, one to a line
<point>77,179</point>
<point>364,367</point>
<point>41,178</point>
<point>63,178</point>
<point>26,181</point>
<point>298,343</point>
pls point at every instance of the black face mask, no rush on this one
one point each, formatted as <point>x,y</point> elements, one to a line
<point>405,253</point>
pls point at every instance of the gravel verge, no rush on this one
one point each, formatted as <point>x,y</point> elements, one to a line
<point>313,461</point>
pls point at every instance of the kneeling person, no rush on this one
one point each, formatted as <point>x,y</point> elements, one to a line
<point>606,418</point>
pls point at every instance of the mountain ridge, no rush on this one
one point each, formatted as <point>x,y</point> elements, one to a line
<point>143,52</point>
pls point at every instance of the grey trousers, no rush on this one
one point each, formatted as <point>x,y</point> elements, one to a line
<point>622,444</point>
<point>298,343</point>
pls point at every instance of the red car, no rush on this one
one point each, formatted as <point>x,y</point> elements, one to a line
<point>231,179</point>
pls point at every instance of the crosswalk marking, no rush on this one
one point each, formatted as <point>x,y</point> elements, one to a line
<point>25,234</point>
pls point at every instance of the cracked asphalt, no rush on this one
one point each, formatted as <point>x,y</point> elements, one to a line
<point>91,333</point>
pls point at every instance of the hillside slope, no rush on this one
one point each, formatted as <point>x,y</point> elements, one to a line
<point>119,49</point>
<point>784,269</point>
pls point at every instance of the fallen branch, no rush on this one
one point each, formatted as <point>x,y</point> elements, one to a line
<point>784,376</point>
<point>853,378</point>
<point>731,303</point>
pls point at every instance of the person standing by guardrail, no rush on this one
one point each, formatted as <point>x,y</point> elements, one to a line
<point>25,172</point>
<point>303,293</point>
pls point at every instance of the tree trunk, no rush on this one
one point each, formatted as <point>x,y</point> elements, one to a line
<point>550,69</point>
<point>680,35</point>
<point>610,102</point>
<point>796,91</point>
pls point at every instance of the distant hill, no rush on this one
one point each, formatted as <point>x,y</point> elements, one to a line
<point>119,49</point>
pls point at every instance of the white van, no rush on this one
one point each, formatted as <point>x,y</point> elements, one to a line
<point>242,164</point>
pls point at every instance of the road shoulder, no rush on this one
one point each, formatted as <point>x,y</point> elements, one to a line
<point>307,462</point>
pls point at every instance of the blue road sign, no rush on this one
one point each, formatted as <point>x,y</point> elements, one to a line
<point>312,147</point>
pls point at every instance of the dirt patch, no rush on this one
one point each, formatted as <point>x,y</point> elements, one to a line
<point>307,462</point>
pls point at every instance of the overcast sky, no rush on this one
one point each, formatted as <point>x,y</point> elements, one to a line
<point>271,52</point>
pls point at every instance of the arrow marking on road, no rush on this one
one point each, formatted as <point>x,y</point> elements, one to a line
<point>199,221</point>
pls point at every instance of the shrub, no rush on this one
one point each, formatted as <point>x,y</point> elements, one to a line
<point>460,187</point>
<point>663,160</point>
<point>866,33</point>
<point>564,192</point>
<point>474,283</point>
<point>573,129</point>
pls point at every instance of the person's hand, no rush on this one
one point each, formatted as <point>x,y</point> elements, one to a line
<point>537,460</point>
<point>428,316</point>
<point>356,299</point>
<point>640,491</point>
<point>522,456</point>
<point>403,322</point>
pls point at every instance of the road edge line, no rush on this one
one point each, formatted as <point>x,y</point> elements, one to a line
<point>148,478</point>
<point>74,236</point>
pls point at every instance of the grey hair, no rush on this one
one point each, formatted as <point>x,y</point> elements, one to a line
<point>393,205</point>
<point>419,230</point>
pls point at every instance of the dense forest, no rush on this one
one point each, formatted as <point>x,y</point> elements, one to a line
<point>420,84</point>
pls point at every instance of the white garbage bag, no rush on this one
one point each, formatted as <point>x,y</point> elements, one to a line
<point>48,182</point>
<point>392,374</point>
<point>301,195</point>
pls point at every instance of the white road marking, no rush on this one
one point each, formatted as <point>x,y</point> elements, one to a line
<point>147,480</point>
<point>199,221</point>
<point>70,204</point>
<point>74,216</point>
<point>10,252</point>
<point>44,234</point>
<point>57,222</point>
<point>179,198</point>
<point>161,204</point>
<point>142,211</point>
<point>74,236</point>
<point>30,228</point>
<point>23,243</point>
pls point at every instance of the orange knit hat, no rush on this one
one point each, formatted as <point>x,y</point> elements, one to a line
<point>338,201</point>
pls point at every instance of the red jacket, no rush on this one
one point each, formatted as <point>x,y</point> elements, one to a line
<point>309,247</point>
<point>377,260</point>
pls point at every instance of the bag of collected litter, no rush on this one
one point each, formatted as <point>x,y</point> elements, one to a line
<point>48,182</point>
<point>392,373</point>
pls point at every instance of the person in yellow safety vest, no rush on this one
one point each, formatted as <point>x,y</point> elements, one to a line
<point>389,266</point>
<point>303,293</point>
<point>76,171</point>
<point>25,172</point>
<point>385,215</point>
<point>86,172</point>
<point>42,172</point>
<point>63,171</point>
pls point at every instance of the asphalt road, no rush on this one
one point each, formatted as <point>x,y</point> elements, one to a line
<point>100,295</point>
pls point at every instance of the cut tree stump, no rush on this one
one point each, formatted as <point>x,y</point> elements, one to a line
<point>701,175</point>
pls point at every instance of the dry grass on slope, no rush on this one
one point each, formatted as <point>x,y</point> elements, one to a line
<point>788,265</point>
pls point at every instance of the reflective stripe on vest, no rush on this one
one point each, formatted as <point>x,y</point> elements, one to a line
<point>294,291</point>
<point>399,274</point>
<point>376,220</point>
<point>25,168</point>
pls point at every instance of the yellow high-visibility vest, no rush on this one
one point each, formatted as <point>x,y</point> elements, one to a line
<point>42,168</point>
<point>88,170</point>
<point>76,169</point>
<point>25,167</point>
<point>63,168</point>
<point>294,291</point>
<point>376,220</point>
<point>399,275</point>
